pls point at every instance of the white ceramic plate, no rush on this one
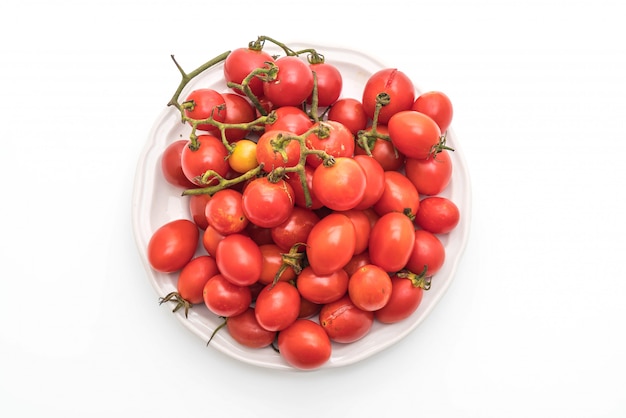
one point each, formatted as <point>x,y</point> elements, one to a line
<point>155,202</point>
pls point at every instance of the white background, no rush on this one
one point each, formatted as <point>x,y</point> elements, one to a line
<point>533,324</point>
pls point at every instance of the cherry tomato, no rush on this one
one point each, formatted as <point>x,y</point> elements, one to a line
<point>267,204</point>
<point>299,196</point>
<point>304,345</point>
<point>399,195</point>
<point>329,83</point>
<point>238,110</point>
<point>270,158</point>
<point>194,276</point>
<point>295,229</point>
<point>290,119</point>
<point>245,329</point>
<point>350,113</point>
<point>405,299</point>
<point>391,241</point>
<point>322,289</point>
<point>341,186</point>
<point>173,245</point>
<point>240,63</point>
<point>211,154</point>
<point>224,212</point>
<point>331,243</point>
<point>357,260</point>
<point>382,150</point>
<point>344,322</point>
<point>171,165</point>
<point>197,207</point>
<point>272,262</point>
<point>210,238</point>
<point>239,259</point>
<point>308,308</point>
<point>428,253</point>
<point>339,142</point>
<point>431,175</point>
<point>437,214</point>
<point>396,84</point>
<point>374,180</point>
<point>224,298</point>
<point>436,105</point>
<point>258,234</point>
<point>414,134</point>
<point>369,287</point>
<point>206,103</point>
<point>243,157</point>
<point>362,228</point>
<point>293,83</point>
<point>277,306</point>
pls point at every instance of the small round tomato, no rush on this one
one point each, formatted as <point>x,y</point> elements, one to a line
<point>397,85</point>
<point>197,207</point>
<point>277,306</point>
<point>437,214</point>
<point>209,154</point>
<point>241,62</point>
<point>171,165</point>
<point>428,254</point>
<point>369,287</point>
<point>290,119</point>
<point>331,243</point>
<point>272,263</point>
<point>436,105</point>
<point>414,134</point>
<point>267,204</point>
<point>239,259</point>
<point>350,113</point>
<point>204,104</point>
<point>336,141</point>
<point>295,229</point>
<point>362,228</point>
<point>173,245</point>
<point>238,110</point>
<point>304,345</point>
<point>224,298</point>
<point>243,157</point>
<point>329,83</point>
<point>322,289</point>
<point>405,299</point>
<point>210,239</point>
<point>194,276</point>
<point>269,157</point>
<point>224,212</point>
<point>382,150</point>
<point>399,195</point>
<point>245,329</point>
<point>357,260</point>
<point>391,241</point>
<point>293,83</point>
<point>431,175</point>
<point>341,186</point>
<point>344,322</point>
<point>374,180</point>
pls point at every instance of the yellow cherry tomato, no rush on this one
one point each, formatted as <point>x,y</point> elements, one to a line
<point>243,157</point>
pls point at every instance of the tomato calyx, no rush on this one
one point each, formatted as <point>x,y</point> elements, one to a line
<point>292,259</point>
<point>180,302</point>
<point>440,146</point>
<point>421,280</point>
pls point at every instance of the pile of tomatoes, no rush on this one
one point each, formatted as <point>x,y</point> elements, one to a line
<point>311,215</point>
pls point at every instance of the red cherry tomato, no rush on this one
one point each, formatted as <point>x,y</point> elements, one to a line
<point>206,103</point>
<point>238,110</point>
<point>405,299</point>
<point>437,214</point>
<point>397,85</point>
<point>211,154</point>
<point>267,204</point>
<point>171,165</point>
<point>331,244</point>
<point>322,289</point>
<point>194,276</point>
<point>304,345</point>
<point>428,254</point>
<point>295,229</point>
<point>338,143</point>
<point>357,260</point>
<point>293,83</point>
<point>266,155</point>
<point>224,212</point>
<point>210,239</point>
<point>362,228</point>
<point>224,298</point>
<point>239,259</point>
<point>277,306</point>
<point>299,196</point>
<point>272,262</point>
<point>414,134</point>
<point>374,180</point>
<point>290,119</point>
<point>391,241</point>
<point>173,245</point>
<point>344,322</point>
<point>383,151</point>
<point>341,186</point>
<point>245,329</point>
<point>432,175</point>
<point>369,287</point>
<point>350,113</point>
<point>197,208</point>
<point>436,105</point>
<point>399,195</point>
<point>240,63</point>
<point>329,83</point>
<point>308,308</point>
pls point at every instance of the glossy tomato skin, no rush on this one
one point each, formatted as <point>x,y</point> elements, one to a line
<point>404,301</point>
<point>396,84</point>
<point>206,103</point>
<point>331,244</point>
<point>298,190</point>
<point>295,229</point>
<point>437,214</point>
<point>224,211</point>
<point>341,186</point>
<point>383,151</point>
<point>173,245</point>
<point>267,204</point>
<point>243,158</point>
<point>277,306</point>
<point>240,63</point>
<point>197,209</point>
<point>431,175</point>
<point>239,259</point>
<point>290,119</point>
<point>374,181</point>
<point>437,105</point>
<point>391,241</point>
<point>272,262</point>
<point>211,154</point>
<point>399,195</point>
<point>304,345</point>
<point>293,83</point>
<point>344,322</point>
<point>428,254</point>
<point>329,83</point>
<point>369,287</point>
<point>245,329</point>
<point>338,143</point>
<point>171,165</point>
<point>266,155</point>
<point>238,110</point>
<point>322,289</point>
<point>362,228</point>
<point>414,134</point>
<point>194,276</point>
<point>350,113</point>
<point>210,239</point>
<point>224,298</point>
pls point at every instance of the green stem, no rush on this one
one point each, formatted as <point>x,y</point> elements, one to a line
<point>222,183</point>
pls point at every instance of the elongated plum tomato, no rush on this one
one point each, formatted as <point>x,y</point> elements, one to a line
<point>391,241</point>
<point>173,245</point>
<point>344,322</point>
<point>194,276</point>
<point>437,214</point>
<point>428,254</point>
<point>436,105</point>
<point>277,306</point>
<point>304,345</point>
<point>209,154</point>
<point>397,85</point>
<point>245,329</point>
<point>341,186</point>
<point>331,244</point>
<point>322,289</point>
<point>414,134</point>
<point>293,83</point>
<point>239,259</point>
<point>224,298</point>
<point>431,175</point>
<point>240,63</point>
<point>405,299</point>
<point>399,195</point>
<point>374,180</point>
<point>171,165</point>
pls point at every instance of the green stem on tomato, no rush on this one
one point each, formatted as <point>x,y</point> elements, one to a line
<point>210,176</point>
